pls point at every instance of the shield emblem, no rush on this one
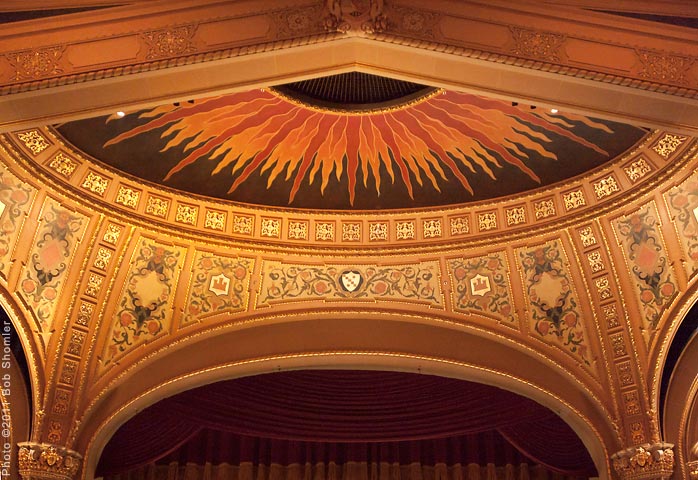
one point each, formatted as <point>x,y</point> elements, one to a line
<point>480,285</point>
<point>351,280</point>
<point>220,285</point>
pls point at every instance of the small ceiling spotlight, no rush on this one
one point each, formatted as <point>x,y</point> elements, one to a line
<point>514,104</point>
<point>553,110</point>
<point>120,114</point>
<point>533,107</point>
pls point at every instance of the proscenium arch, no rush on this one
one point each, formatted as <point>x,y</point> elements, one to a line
<point>30,347</point>
<point>680,407</point>
<point>341,341</point>
<point>658,356</point>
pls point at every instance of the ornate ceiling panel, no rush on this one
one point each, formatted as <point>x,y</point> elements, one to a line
<point>442,149</point>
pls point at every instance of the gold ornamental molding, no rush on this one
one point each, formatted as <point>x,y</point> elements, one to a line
<point>645,462</point>
<point>631,174</point>
<point>43,461</point>
<point>220,44</point>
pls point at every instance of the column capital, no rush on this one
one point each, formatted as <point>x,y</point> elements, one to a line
<point>43,461</point>
<point>693,469</point>
<point>645,462</point>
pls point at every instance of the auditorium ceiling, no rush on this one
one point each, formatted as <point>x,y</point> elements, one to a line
<point>320,145</point>
<point>194,192</point>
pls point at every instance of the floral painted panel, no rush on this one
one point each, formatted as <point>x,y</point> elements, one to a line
<point>15,201</point>
<point>683,204</point>
<point>555,314</point>
<point>648,264</point>
<point>482,284</point>
<point>58,236</point>
<point>416,282</point>
<point>218,284</point>
<point>144,310</point>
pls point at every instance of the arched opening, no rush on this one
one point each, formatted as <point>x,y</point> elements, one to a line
<point>15,396</point>
<point>346,425</point>
<point>344,342</point>
<point>679,393</point>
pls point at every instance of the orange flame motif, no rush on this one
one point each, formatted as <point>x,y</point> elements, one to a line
<point>253,132</point>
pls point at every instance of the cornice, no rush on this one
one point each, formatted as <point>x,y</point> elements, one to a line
<point>540,41</point>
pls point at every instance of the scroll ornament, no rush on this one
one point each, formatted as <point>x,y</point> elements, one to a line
<point>645,462</point>
<point>42,461</point>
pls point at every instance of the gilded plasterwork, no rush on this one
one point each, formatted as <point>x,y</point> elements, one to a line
<point>481,284</point>
<point>15,201</point>
<point>34,141</point>
<point>218,284</point>
<point>554,307</point>
<point>683,205</point>
<point>43,276</point>
<point>648,264</point>
<point>33,64</point>
<point>286,282</point>
<point>144,309</point>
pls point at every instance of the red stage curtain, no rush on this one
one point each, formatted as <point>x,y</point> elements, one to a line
<point>341,416</point>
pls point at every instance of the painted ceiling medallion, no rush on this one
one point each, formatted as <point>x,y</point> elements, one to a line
<point>438,148</point>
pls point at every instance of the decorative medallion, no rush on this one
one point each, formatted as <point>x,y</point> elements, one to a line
<point>351,232</point>
<point>516,215</point>
<point>284,282</point>
<point>536,44</point>
<point>170,42</point>
<point>460,225</point>
<point>144,310</point>
<point>298,230</point>
<point>63,165</point>
<point>218,284</point>
<point>215,220</point>
<point>187,214</point>
<point>243,224</point>
<point>95,183</point>
<point>648,264</point>
<point>668,144</point>
<point>431,228</point>
<point>350,280</point>
<point>157,206</point>
<point>34,141</point>
<point>574,199</point>
<point>378,231</point>
<point>637,169</point>
<point>127,196</point>
<point>544,208</point>
<point>111,236</point>
<point>554,305</point>
<point>43,276</point>
<point>34,64</point>
<point>665,68</point>
<point>605,187</point>
<point>481,284</point>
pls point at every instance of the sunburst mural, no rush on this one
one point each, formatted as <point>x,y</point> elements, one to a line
<point>444,140</point>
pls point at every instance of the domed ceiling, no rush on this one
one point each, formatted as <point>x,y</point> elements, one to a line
<point>351,141</point>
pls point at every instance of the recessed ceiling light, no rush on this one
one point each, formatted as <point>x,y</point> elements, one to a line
<point>553,110</point>
<point>120,114</point>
